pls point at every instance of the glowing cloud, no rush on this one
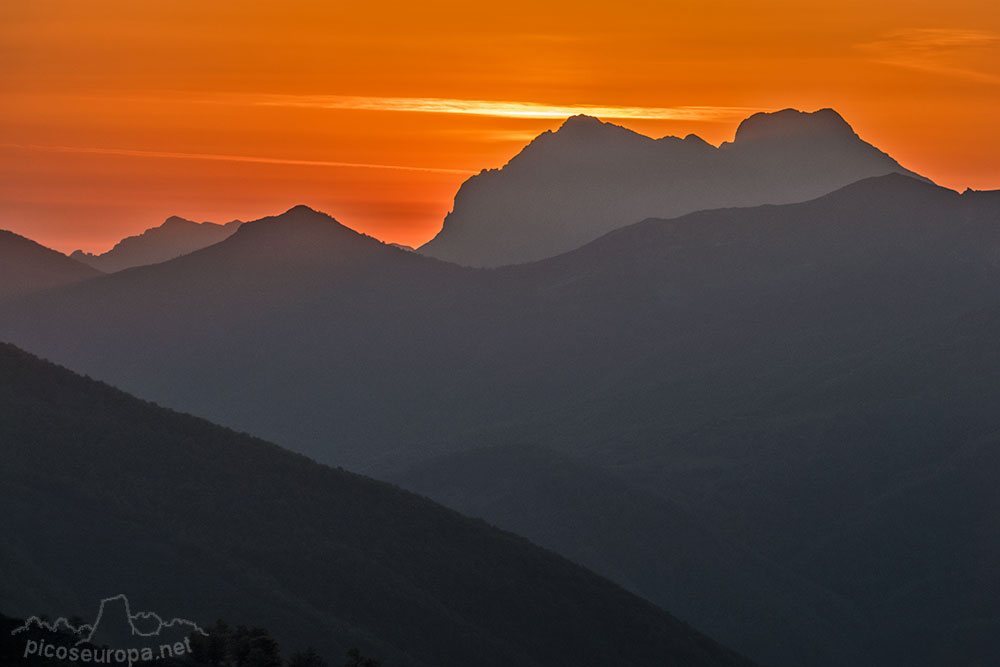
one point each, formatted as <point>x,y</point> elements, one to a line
<point>502,109</point>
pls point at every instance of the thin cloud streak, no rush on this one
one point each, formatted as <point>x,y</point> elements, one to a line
<point>943,51</point>
<point>124,152</point>
<point>937,39</point>
<point>502,109</point>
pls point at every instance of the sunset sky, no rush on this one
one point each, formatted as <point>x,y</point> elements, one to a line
<point>115,114</point>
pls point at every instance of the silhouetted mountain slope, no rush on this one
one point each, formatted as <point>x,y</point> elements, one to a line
<point>732,362</point>
<point>569,187</point>
<point>26,266</point>
<point>175,237</point>
<point>294,294</point>
<point>104,493</point>
<point>925,543</point>
<point>652,546</point>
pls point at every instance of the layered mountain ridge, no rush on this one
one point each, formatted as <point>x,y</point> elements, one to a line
<point>771,373</point>
<point>175,237</point>
<point>757,376</point>
<point>589,177</point>
<point>26,267</point>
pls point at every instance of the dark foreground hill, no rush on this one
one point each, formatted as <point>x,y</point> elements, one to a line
<point>649,544</point>
<point>569,187</point>
<point>775,375</point>
<point>103,493</point>
<point>175,237</point>
<point>26,266</point>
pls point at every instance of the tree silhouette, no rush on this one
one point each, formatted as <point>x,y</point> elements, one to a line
<point>306,658</point>
<point>213,648</point>
<point>355,659</point>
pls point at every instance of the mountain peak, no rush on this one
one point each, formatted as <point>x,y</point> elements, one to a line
<point>583,128</point>
<point>581,121</point>
<point>695,140</point>
<point>792,124</point>
<point>302,232</point>
<point>302,209</point>
<point>298,216</point>
<point>580,133</point>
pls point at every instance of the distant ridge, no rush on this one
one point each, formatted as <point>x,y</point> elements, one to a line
<point>175,237</point>
<point>27,266</point>
<point>791,124</point>
<point>300,235</point>
<point>589,177</point>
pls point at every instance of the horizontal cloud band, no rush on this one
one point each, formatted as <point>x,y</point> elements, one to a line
<point>501,109</point>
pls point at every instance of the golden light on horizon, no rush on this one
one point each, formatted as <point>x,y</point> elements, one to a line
<point>115,115</point>
<point>497,109</point>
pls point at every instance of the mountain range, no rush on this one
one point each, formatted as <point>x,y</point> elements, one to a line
<point>26,266</point>
<point>175,237</point>
<point>569,187</point>
<point>195,518</point>
<point>783,410</point>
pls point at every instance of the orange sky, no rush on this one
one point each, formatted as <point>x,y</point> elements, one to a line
<point>115,114</point>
